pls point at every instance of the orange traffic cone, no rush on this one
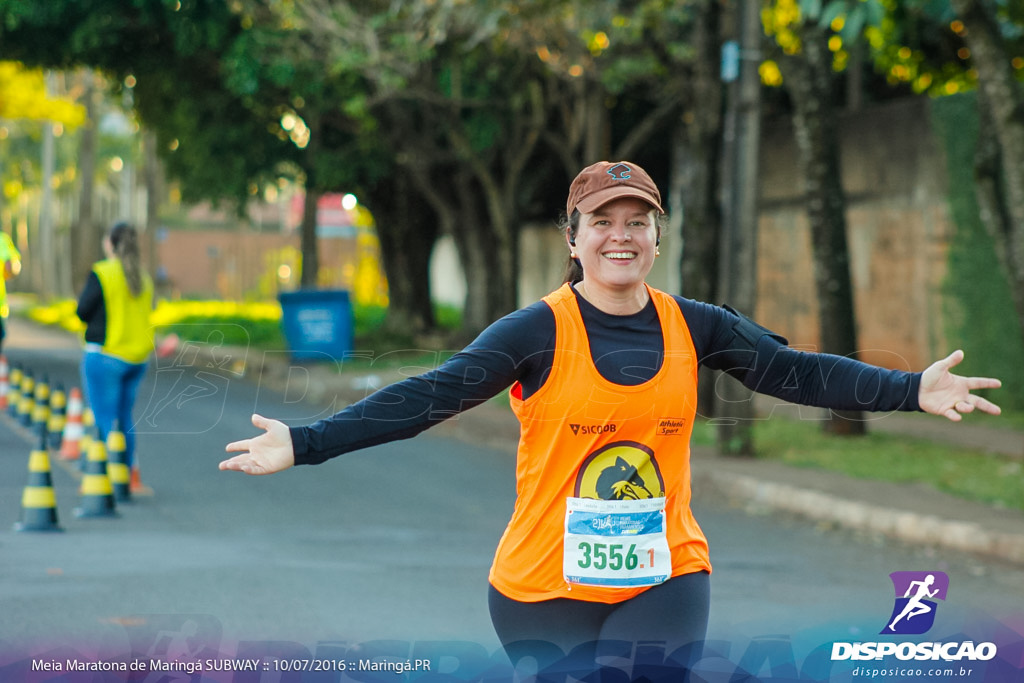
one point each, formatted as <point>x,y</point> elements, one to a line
<point>117,464</point>
<point>5,382</point>
<point>136,485</point>
<point>38,502</point>
<point>58,416</point>
<point>74,430</point>
<point>97,494</point>
<point>14,394</point>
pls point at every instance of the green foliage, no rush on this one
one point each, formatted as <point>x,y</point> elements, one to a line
<point>210,138</point>
<point>230,330</point>
<point>371,331</point>
<point>982,317</point>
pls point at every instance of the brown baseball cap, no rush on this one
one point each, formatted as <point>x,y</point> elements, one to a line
<point>604,181</point>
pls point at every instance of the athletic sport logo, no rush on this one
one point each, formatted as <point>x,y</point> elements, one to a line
<point>916,592</point>
<point>620,172</point>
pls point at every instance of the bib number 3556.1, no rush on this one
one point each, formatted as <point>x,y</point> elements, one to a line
<point>615,542</point>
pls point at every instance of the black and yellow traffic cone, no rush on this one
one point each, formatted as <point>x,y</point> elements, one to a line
<point>28,397</point>
<point>117,464</point>
<point>97,494</point>
<point>38,501</point>
<point>88,427</point>
<point>41,405</point>
<point>58,416</point>
<point>14,394</point>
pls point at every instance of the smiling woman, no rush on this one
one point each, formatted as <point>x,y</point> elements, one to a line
<point>603,546</point>
<point>615,246</point>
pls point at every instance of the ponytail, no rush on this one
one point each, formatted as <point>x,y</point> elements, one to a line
<point>125,241</point>
<point>570,225</point>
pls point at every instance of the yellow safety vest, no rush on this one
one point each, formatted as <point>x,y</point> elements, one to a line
<point>129,335</point>
<point>8,252</point>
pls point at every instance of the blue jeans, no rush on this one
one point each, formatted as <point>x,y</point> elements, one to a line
<point>111,386</point>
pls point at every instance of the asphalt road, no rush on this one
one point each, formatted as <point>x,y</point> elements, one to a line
<point>392,543</point>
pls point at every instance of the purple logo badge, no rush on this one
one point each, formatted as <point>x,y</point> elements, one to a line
<point>916,592</point>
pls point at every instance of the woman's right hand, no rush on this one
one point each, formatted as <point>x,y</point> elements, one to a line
<point>267,453</point>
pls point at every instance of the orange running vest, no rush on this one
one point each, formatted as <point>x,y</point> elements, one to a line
<point>577,432</point>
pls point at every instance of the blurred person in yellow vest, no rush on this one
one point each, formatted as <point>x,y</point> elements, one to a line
<point>115,305</point>
<point>11,260</point>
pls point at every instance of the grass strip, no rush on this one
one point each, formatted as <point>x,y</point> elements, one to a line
<point>968,474</point>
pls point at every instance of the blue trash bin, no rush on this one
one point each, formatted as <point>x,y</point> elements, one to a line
<point>318,323</point>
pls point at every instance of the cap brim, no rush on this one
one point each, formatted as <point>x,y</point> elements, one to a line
<point>593,202</point>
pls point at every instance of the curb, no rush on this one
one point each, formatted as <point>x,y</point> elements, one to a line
<point>894,523</point>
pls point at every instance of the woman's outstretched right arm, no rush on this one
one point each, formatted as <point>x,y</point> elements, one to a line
<point>266,453</point>
<point>498,357</point>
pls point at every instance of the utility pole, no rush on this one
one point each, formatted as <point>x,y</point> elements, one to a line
<point>738,267</point>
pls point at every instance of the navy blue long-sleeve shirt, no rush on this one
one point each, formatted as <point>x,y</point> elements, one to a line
<point>92,310</point>
<point>627,350</point>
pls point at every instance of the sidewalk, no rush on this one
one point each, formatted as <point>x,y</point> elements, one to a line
<point>907,513</point>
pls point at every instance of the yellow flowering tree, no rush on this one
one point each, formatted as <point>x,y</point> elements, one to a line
<point>23,95</point>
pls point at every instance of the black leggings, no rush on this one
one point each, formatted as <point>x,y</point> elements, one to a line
<point>565,634</point>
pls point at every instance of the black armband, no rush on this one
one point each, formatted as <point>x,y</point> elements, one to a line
<point>749,331</point>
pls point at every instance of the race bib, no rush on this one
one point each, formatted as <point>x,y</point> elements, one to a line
<point>615,542</point>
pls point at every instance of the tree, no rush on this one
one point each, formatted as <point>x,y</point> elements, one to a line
<point>27,96</point>
<point>214,144</point>
<point>803,32</point>
<point>460,116</point>
<point>947,47</point>
<point>695,177</point>
<point>738,264</point>
<point>1001,102</point>
<point>24,96</point>
<point>466,95</point>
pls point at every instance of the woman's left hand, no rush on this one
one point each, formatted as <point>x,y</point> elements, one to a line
<point>949,395</point>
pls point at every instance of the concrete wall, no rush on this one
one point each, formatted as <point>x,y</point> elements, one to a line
<point>899,229</point>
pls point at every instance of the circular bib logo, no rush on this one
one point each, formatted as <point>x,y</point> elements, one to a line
<point>624,470</point>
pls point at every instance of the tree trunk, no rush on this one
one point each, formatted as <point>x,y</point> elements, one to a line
<point>738,275</point>
<point>307,230</point>
<point>86,234</point>
<point>310,248</point>
<point>989,186</point>
<point>407,230</point>
<point>810,81</point>
<point>1004,100</point>
<point>474,238</point>
<point>47,249</point>
<point>693,187</point>
<point>151,174</point>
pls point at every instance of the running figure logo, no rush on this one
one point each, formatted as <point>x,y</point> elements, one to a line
<point>914,611</point>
